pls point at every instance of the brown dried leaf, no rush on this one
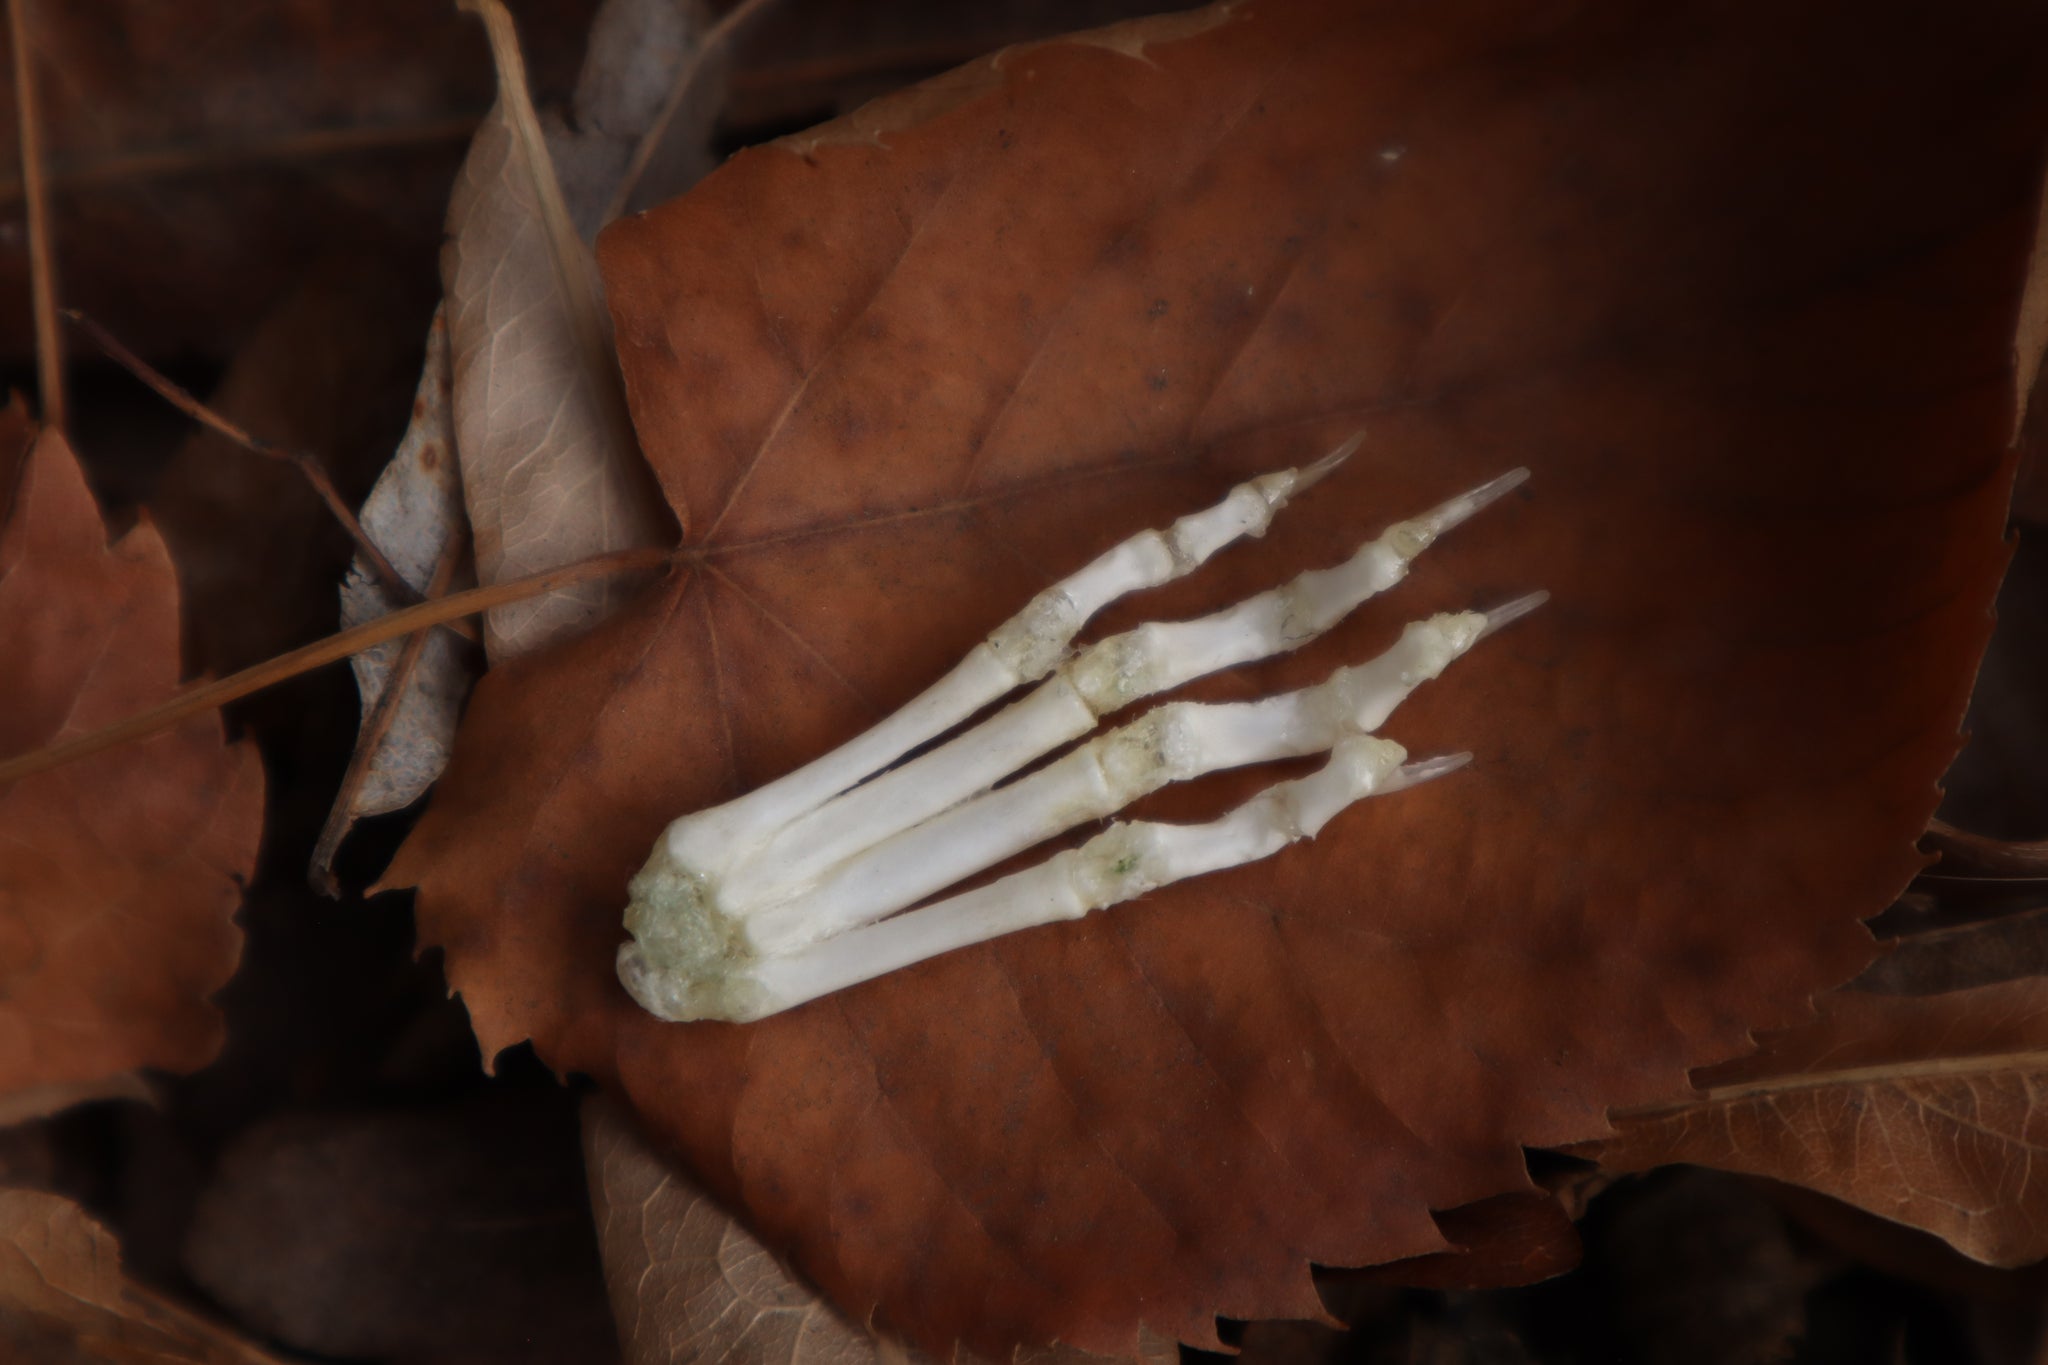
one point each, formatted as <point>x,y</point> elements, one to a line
<point>1497,1243</point>
<point>1925,1110</point>
<point>64,1300</point>
<point>203,158</point>
<point>689,1283</point>
<point>1763,379</point>
<point>550,467</point>
<point>119,874</point>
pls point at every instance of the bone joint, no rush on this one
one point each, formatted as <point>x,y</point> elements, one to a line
<point>806,886</point>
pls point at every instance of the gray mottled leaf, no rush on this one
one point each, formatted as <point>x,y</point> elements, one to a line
<point>412,513</point>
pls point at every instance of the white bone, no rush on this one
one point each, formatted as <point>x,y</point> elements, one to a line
<point>1104,677</point>
<point>1021,650</point>
<point>1171,743</point>
<point>1122,863</point>
<point>789,893</point>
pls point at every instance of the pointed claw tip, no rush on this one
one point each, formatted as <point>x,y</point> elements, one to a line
<point>1312,473</point>
<point>1510,481</point>
<point>1511,612</point>
<point>1463,507</point>
<point>1422,770</point>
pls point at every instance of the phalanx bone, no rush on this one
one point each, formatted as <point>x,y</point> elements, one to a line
<point>795,890</point>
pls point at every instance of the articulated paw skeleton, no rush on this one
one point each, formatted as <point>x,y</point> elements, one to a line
<point>793,890</point>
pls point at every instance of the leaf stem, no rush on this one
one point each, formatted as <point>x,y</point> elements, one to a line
<point>42,260</point>
<point>305,462</point>
<point>207,696</point>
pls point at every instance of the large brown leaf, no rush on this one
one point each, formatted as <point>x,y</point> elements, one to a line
<point>120,873</point>
<point>1743,299</point>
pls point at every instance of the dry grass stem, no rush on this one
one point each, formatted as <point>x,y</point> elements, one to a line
<point>207,696</point>
<point>305,462</point>
<point>42,262</point>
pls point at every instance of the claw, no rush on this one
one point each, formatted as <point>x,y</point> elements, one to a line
<point>1465,506</point>
<point>1422,770</point>
<point>1508,613</point>
<point>1313,474</point>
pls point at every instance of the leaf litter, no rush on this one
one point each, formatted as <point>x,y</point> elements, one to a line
<point>1913,970</point>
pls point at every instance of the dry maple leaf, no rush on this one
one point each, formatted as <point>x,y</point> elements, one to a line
<point>1922,1109</point>
<point>897,376</point>
<point>119,874</point>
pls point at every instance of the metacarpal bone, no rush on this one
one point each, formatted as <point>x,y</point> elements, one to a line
<point>1122,863</point>
<point>1172,743</point>
<point>1102,678</point>
<point>805,885</point>
<point>1021,650</point>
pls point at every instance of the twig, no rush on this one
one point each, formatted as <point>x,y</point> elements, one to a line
<point>305,462</point>
<point>376,725</point>
<point>172,160</point>
<point>207,696</point>
<point>42,262</point>
<point>1967,854</point>
<point>643,152</point>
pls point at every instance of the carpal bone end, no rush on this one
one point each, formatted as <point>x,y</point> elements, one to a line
<point>686,959</point>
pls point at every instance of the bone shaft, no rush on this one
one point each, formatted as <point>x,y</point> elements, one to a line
<point>1036,640</point>
<point>1143,662</point>
<point>1047,717</point>
<point>1175,742</point>
<point>1023,649</point>
<point>715,839</point>
<point>1157,658</point>
<point>1160,657</point>
<point>934,855</point>
<point>1120,864</point>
